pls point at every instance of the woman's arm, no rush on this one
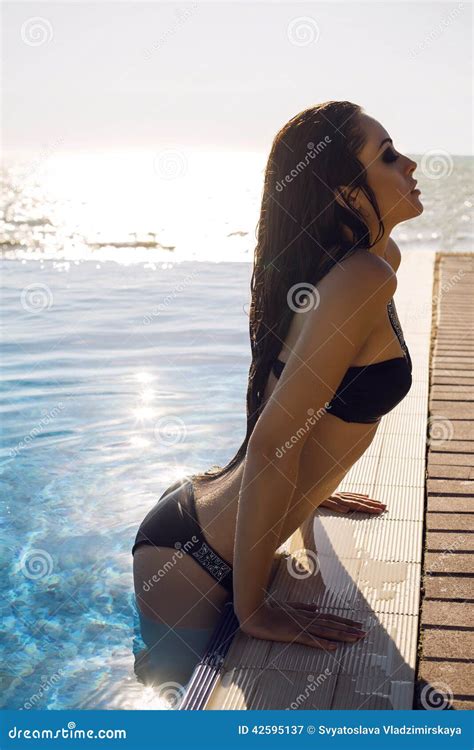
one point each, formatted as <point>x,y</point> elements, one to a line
<point>333,333</point>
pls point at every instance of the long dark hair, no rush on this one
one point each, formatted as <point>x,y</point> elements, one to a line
<point>300,234</point>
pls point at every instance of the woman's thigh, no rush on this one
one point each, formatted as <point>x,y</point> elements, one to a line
<point>169,658</point>
<point>179,606</point>
<point>172,588</point>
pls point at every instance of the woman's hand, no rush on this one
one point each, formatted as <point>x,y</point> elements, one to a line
<point>344,502</point>
<point>294,622</point>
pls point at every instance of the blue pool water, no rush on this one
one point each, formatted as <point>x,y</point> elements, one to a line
<point>116,380</point>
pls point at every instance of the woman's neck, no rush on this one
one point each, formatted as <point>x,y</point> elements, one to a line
<point>380,247</point>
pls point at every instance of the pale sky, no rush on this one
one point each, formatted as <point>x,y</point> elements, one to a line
<point>227,76</point>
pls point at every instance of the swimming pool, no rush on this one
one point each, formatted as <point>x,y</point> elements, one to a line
<point>116,381</point>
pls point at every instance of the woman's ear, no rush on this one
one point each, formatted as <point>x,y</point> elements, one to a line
<point>349,194</point>
<point>339,193</point>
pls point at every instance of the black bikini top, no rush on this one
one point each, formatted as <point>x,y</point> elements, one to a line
<point>367,392</point>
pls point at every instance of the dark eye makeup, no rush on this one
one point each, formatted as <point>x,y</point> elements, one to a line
<point>389,155</point>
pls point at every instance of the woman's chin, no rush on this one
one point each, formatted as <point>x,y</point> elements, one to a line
<point>416,205</point>
<point>421,208</point>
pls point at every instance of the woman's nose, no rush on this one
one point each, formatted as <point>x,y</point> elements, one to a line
<point>412,165</point>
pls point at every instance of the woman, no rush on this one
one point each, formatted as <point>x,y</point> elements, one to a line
<point>328,360</point>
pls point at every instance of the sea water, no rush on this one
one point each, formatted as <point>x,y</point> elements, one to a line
<point>116,381</point>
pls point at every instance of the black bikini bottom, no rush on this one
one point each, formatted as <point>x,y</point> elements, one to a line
<point>172,522</point>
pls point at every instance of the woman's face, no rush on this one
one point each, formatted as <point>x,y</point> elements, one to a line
<point>390,175</point>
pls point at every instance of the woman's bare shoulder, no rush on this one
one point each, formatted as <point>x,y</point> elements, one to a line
<point>363,273</point>
<point>365,259</point>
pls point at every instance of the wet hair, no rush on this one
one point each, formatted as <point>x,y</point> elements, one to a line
<point>300,232</point>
